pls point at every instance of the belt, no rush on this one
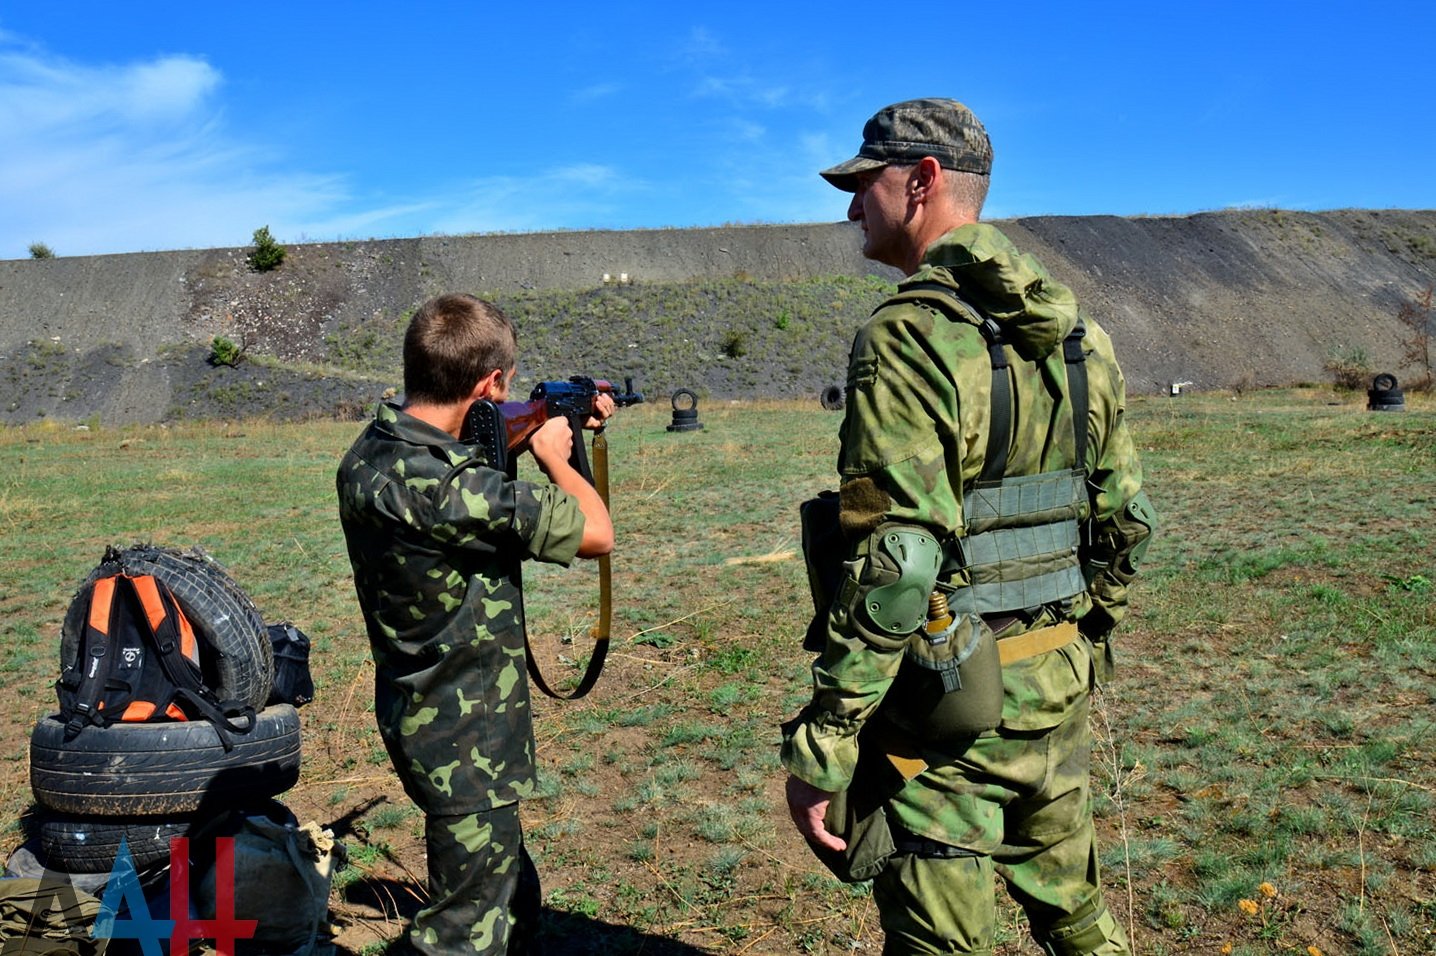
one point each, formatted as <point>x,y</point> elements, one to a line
<point>1022,646</point>
<point>906,842</point>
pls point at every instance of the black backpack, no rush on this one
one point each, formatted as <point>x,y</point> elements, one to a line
<point>139,661</point>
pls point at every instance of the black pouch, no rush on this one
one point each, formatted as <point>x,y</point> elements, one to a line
<point>292,682</point>
<point>858,815</point>
<point>824,548</point>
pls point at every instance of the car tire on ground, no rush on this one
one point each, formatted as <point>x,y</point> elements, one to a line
<point>162,768</point>
<point>236,657</point>
<point>88,844</point>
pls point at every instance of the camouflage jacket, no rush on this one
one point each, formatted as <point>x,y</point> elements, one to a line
<point>435,540</point>
<point>915,436</point>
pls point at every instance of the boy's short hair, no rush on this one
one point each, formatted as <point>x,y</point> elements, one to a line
<point>453,341</point>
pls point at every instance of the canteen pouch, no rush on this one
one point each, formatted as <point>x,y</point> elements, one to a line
<point>948,688</point>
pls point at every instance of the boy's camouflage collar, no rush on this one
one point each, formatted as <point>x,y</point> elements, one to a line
<point>392,418</point>
<point>1035,311</point>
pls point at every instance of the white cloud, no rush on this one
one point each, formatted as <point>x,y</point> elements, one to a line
<point>135,156</point>
<point>575,196</point>
<point>596,91</point>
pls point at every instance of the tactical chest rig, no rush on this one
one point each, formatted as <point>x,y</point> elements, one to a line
<point>1018,553</point>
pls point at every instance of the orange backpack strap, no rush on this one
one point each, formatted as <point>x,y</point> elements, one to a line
<point>90,658</point>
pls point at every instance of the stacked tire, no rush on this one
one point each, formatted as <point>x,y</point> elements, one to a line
<point>685,411</point>
<point>1385,395</point>
<point>144,784</point>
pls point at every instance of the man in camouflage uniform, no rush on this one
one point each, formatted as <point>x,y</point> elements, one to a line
<point>980,517</point>
<point>435,537</point>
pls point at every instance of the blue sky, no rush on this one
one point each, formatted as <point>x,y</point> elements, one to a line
<point>135,127</point>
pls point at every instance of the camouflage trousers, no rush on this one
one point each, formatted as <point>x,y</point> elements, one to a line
<point>483,888</point>
<point>1018,803</point>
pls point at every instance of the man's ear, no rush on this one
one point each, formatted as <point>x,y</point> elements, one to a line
<point>926,176</point>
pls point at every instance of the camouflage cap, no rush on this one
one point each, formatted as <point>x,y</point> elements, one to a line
<point>905,132</point>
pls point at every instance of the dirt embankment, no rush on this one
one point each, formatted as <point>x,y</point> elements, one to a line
<point>1244,299</point>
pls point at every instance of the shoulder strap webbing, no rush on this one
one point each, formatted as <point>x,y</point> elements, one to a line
<point>92,658</point>
<point>999,433</point>
<point>179,657</point>
<point>1076,359</point>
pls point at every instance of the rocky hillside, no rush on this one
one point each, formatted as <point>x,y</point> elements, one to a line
<point>1232,299</point>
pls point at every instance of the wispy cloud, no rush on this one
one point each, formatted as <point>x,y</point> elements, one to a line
<point>596,91</point>
<point>574,196</point>
<point>701,43</point>
<point>132,156</point>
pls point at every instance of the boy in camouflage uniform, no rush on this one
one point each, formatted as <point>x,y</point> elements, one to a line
<point>1034,555</point>
<point>435,537</point>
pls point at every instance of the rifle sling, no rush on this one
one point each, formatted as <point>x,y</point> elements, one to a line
<point>600,632</point>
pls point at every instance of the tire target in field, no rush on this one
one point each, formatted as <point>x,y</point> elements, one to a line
<point>1385,395</point>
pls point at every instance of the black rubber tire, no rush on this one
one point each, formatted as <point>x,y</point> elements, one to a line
<point>26,864</point>
<point>162,768</point>
<point>832,398</point>
<point>86,844</point>
<point>1385,382</point>
<point>689,394</point>
<point>236,658</point>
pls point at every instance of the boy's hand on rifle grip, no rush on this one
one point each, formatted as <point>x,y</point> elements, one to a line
<point>552,444</point>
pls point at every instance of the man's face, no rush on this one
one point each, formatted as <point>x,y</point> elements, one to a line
<point>880,203</point>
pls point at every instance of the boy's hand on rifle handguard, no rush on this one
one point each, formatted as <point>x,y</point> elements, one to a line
<point>603,408</point>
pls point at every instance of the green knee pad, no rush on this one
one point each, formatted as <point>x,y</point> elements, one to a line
<point>1091,931</point>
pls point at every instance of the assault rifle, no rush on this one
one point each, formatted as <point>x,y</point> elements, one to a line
<point>500,427</point>
<point>497,428</point>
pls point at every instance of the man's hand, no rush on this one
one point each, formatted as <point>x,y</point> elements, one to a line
<point>807,806</point>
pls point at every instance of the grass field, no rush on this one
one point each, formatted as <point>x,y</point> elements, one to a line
<point>1266,768</point>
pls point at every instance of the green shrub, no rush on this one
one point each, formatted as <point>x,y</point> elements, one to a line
<point>735,344</point>
<point>267,252</point>
<point>1349,367</point>
<point>38,250</point>
<point>222,351</point>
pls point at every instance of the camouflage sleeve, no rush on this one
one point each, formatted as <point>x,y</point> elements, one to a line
<point>1122,520</point>
<point>479,508</point>
<point>849,681</point>
<point>902,427</point>
<point>554,538</point>
<point>896,438</point>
